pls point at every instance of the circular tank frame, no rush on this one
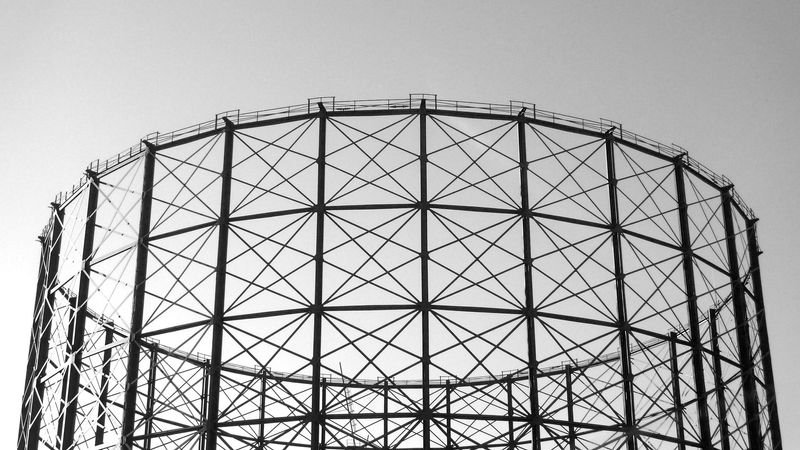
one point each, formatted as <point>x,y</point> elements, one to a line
<point>405,273</point>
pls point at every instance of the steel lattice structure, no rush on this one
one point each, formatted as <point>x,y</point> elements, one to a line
<point>411,273</point>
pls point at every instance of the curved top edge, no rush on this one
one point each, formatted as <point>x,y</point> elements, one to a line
<point>513,109</point>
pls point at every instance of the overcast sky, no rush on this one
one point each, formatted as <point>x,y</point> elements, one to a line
<point>85,80</point>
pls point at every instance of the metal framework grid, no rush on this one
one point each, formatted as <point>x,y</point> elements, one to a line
<point>406,273</point>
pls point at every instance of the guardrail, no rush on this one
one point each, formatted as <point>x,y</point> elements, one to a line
<point>512,108</point>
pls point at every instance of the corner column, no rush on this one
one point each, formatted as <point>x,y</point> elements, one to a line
<point>212,414</point>
<point>137,308</point>
<point>691,306</point>
<point>71,385</point>
<point>763,336</point>
<point>46,325</point>
<point>742,327</point>
<point>316,310</point>
<point>527,261</point>
<point>425,305</point>
<point>619,278</point>
<point>32,349</point>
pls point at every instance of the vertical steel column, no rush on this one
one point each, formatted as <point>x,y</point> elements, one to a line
<point>219,290</point>
<point>742,327</point>
<point>32,349</point>
<point>570,407</point>
<point>527,261</point>
<point>676,390</point>
<point>510,411</point>
<point>324,399</point>
<point>448,390</point>
<point>385,414</point>
<point>71,386</point>
<point>425,305</point>
<point>102,410</point>
<point>691,305</point>
<point>719,385</point>
<point>204,402</point>
<point>619,276</point>
<point>151,397</point>
<point>262,405</point>
<point>47,319</point>
<point>316,359</point>
<point>763,336</point>
<point>137,307</point>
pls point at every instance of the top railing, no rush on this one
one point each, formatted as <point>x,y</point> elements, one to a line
<point>512,108</point>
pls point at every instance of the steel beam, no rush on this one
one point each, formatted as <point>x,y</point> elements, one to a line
<point>30,382</point>
<point>424,257</point>
<point>763,336</point>
<point>742,327</point>
<point>319,266</point>
<point>137,307</point>
<point>205,368</point>
<point>527,262</point>
<point>448,390</point>
<point>386,414</point>
<point>691,306</point>
<point>71,386</point>
<point>619,278</point>
<point>677,403</point>
<point>102,409</point>
<point>323,414</point>
<point>719,384</point>
<point>262,407</point>
<point>510,411</point>
<point>46,325</point>
<point>151,399</point>
<point>217,324</point>
<point>570,406</point>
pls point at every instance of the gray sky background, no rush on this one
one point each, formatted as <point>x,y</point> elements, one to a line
<point>85,80</point>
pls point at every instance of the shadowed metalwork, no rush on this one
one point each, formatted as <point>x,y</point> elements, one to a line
<point>406,273</point>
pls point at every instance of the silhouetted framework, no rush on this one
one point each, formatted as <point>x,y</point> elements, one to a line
<point>406,273</point>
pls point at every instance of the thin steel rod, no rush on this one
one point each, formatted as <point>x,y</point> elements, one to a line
<point>677,403</point>
<point>72,386</point>
<point>763,336</point>
<point>691,306</point>
<point>719,385</point>
<point>137,307</point>
<point>319,255</point>
<point>217,325</point>
<point>742,328</point>
<point>619,278</point>
<point>47,318</point>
